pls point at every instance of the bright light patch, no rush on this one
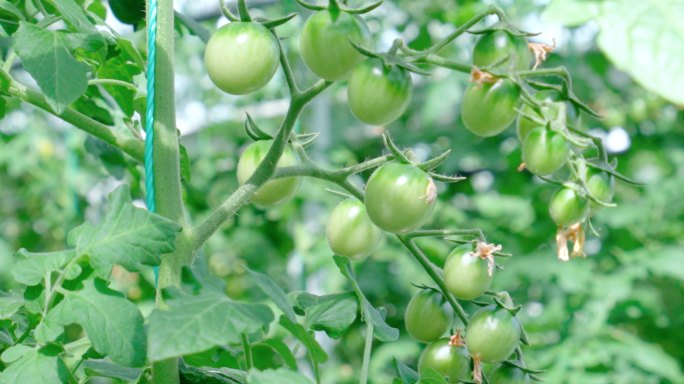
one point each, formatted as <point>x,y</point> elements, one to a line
<point>402,180</point>
<point>242,38</point>
<point>618,140</point>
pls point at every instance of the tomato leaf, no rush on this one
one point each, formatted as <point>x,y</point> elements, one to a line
<point>382,331</point>
<point>406,374</point>
<point>202,375</point>
<point>280,376</point>
<point>9,15</point>
<point>10,303</point>
<point>194,27</point>
<point>128,236</point>
<point>14,353</point>
<point>33,267</point>
<point>430,376</point>
<point>642,38</point>
<point>331,313</point>
<point>114,371</point>
<point>47,56</point>
<point>214,318</point>
<point>284,351</point>
<point>272,290</point>
<point>74,15</point>
<point>113,324</point>
<point>37,367</point>
<point>306,338</point>
<point>118,68</point>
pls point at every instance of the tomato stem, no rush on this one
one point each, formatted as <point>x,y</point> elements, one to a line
<point>248,352</point>
<point>243,11</point>
<point>367,353</point>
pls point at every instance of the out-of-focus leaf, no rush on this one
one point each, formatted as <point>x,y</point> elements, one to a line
<point>331,313</point>
<point>281,376</point>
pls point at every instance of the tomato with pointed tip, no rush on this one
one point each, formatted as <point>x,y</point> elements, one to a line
<point>466,276</point>
<point>377,94</point>
<point>325,44</point>
<point>568,208</point>
<point>350,232</point>
<point>446,359</point>
<point>400,197</point>
<point>494,333</point>
<point>602,187</point>
<point>489,108</point>
<point>273,192</point>
<point>572,112</point>
<point>495,45</point>
<point>242,57</point>
<point>544,151</point>
<point>509,374</point>
<point>428,316</point>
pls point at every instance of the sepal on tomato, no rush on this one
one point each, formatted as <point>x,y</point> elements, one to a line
<point>335,7</point>
<point>394,150</point>
<point>505,25</point>
<point>520,365</point>
<point>254,131</point>
<point>567,93</point>
<point>389,59</point>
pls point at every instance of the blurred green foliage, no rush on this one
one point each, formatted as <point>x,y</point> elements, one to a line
<point>614,317</point>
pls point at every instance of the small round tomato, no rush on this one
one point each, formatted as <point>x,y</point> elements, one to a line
<point>544,151</point>
<point>273,192</point>
<point>428,316</point>
<point>350,232</point>
<point>572,113</point>
<point>466,277</point>
<point>489,108</point>
<point>508,374</point>
<point>242,58</point>
<point>494,45</point>
<point>325,44</point>
<point>448,360</point>
<point>400,197</point>
<point>567,208</point>
<point>379,95</point>
<point>602,186</point>
<point>494,333</point>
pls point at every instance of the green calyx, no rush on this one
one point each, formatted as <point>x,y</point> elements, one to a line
<point>335,7</point>
<point>567,94</point>
<point>244,16</point>
<point>256,134</point>
<point>504,25</point>
<point>390,58</point>
<point>408,157</point>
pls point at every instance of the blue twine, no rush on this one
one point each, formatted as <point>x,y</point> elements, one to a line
<point>149,126</point>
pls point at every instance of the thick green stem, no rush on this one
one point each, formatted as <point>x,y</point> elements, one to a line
<point>367,353</point>
<point>128,144</point>
<point>446,63</point>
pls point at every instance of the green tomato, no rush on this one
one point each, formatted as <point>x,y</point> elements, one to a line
<point>572,113</point>
<point>544,151</point>
<point>508,374</point>
<point>466,277</point>
<point>400,197</point>
<point>448,360</point>
<point>493,333</point>
<point>489,108</point>
<point>494,45</point>
<point>378,95</point>
<point>128,11</point>
<point>242,58</point>
<point>428,316</point>
<point>273,192</point>
<point>325,45</point>
<point>602,186</point>
<point>350,232</point>
<point>567,208</point>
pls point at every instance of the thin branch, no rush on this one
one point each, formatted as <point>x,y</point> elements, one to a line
<point>130,86</point>
<point>287,69</point>
<point>367,353</point>
<point>446,63</point>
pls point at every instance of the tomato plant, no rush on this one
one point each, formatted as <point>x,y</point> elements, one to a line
<point>400,197</point>
<point>350,232</point>
<point>447,358</point>
<point>467,276</point>
<point>489,108</point>
<point>493,333</point>
<point>274,192</point>
<point>67,320</point>
<point>377,94</point>
<point>241,58</point>
<point>428,316</point>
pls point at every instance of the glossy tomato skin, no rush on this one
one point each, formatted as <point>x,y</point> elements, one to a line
<point>428,316</point>
<point>325,44</point>
<point>544,151</point>
<point>448,360</point>
<point>567,208</point>
<point>378,95</point>
<point>350,232</point>
<point>525,125</point>
<point>602,186</point>
<point>273,192</point>
<point>508,374</point>
<point>241,58</point>
<point>466,277</point>
<point>489,108</point>
<point>493,333</point>
<point>400,197</point>
<point>494,45</point>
